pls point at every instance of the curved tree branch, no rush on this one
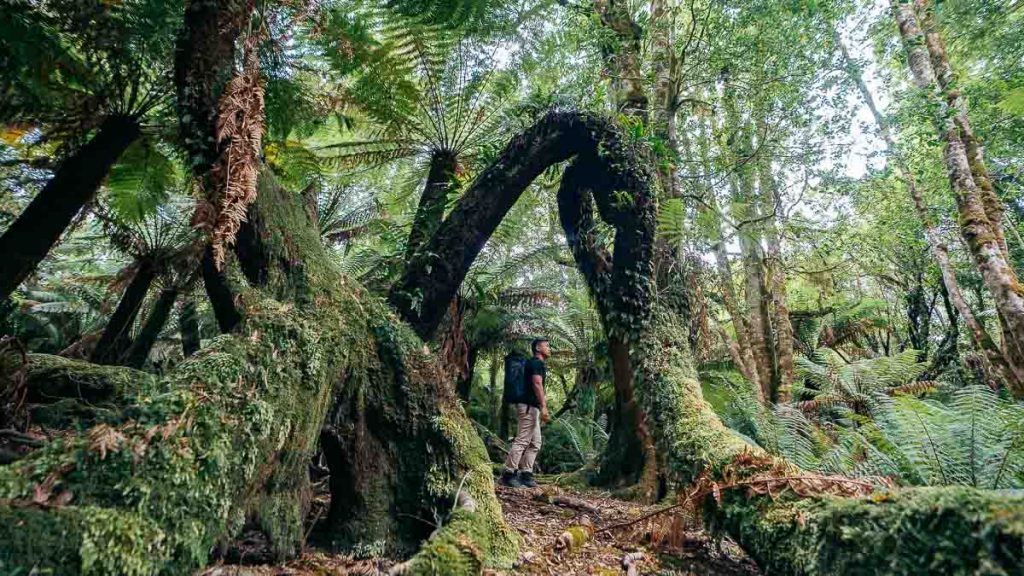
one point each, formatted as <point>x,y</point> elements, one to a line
<point>433,276</point>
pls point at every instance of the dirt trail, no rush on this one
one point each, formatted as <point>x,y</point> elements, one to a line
<point>666,544</point>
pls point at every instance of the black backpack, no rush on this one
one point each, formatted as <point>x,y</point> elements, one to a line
<point>515,379</point>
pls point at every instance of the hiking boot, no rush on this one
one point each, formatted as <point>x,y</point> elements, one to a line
<point>526,479</point>
<point>508,478</point>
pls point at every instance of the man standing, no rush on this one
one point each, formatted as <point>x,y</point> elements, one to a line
<point>530,413</point>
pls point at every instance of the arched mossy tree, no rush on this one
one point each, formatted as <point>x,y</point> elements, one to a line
<point>224,439</point>
<point>790,521</point>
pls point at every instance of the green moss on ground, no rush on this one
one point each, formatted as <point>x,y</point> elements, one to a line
<point>948,530</point>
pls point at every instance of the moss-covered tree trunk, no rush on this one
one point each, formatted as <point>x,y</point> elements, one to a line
<point>792,522</point>
<point>224,440</point>
<point>979,208</point>
<point>789,521</point>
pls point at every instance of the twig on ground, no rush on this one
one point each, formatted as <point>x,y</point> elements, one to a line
<point>630,561</point>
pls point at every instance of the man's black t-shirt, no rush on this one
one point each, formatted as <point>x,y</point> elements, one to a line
<point>533,366</point>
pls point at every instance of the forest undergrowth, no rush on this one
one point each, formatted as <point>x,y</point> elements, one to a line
<point>565,531</point>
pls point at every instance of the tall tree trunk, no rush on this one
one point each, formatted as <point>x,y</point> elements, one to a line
<point>739,147</point>
<point>430,211</point>
<point>143,344</point>
<point>973,149</point>
<point>204,63</point>
<point>38,228</point>
<point>777,285</point>
<point>620,293</point>
<point>116,337</point>
<point>756,310</point>
<point>630,456</point>
<point>984,241</point>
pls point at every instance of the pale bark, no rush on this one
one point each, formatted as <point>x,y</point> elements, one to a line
<point>932,235</point>
<point>665,88</point>
<point>777,286</point>
<point>739,149</point>
<point>945,77</point>
<point>710,213</point>
<point>984,241</point>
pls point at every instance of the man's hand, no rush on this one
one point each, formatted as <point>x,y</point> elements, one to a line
<point>545,416</point>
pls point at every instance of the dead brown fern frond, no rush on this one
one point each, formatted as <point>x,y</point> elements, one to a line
<point>239,132</point>
<point>766,476</point>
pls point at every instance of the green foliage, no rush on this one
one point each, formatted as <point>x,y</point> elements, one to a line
<point>865,419</point>
<point>571,442</point>
<point>142,179</point>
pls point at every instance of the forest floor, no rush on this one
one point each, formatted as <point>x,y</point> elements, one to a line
<point>618,535</point>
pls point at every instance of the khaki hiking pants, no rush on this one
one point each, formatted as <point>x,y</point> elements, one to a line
<point>527,443</point>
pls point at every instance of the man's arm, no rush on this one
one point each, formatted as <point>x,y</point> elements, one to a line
<point>538,391</point>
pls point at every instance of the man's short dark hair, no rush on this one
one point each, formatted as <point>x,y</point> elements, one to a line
<point>537,342</point>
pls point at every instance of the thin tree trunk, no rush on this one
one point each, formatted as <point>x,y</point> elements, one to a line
<point>984,242</point>
<point>39,227</point>
<point>757,311</point>
<point>622,58</point>
<point>745,212</point>
<point>945,78</point>
<point>777,288</point>
<point>748,367</point>
<point>188,325</point>
<point>940,252</point>
<point>143,344</point>
<point>430,211</point>
<point>492,373</point>
<point>116,338</point>
<point>465,383</point>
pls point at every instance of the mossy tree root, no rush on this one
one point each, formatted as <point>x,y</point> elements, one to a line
<point>949,530</point>
<point>225,439</point>
<point>65,393</point>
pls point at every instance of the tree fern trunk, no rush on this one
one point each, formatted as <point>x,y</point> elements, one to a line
<point>433,201</point>
<point>116,337</point>
<point>465,384</point>
<point>39,227</point>
<point>188,325</point>
<point>143,344</point>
